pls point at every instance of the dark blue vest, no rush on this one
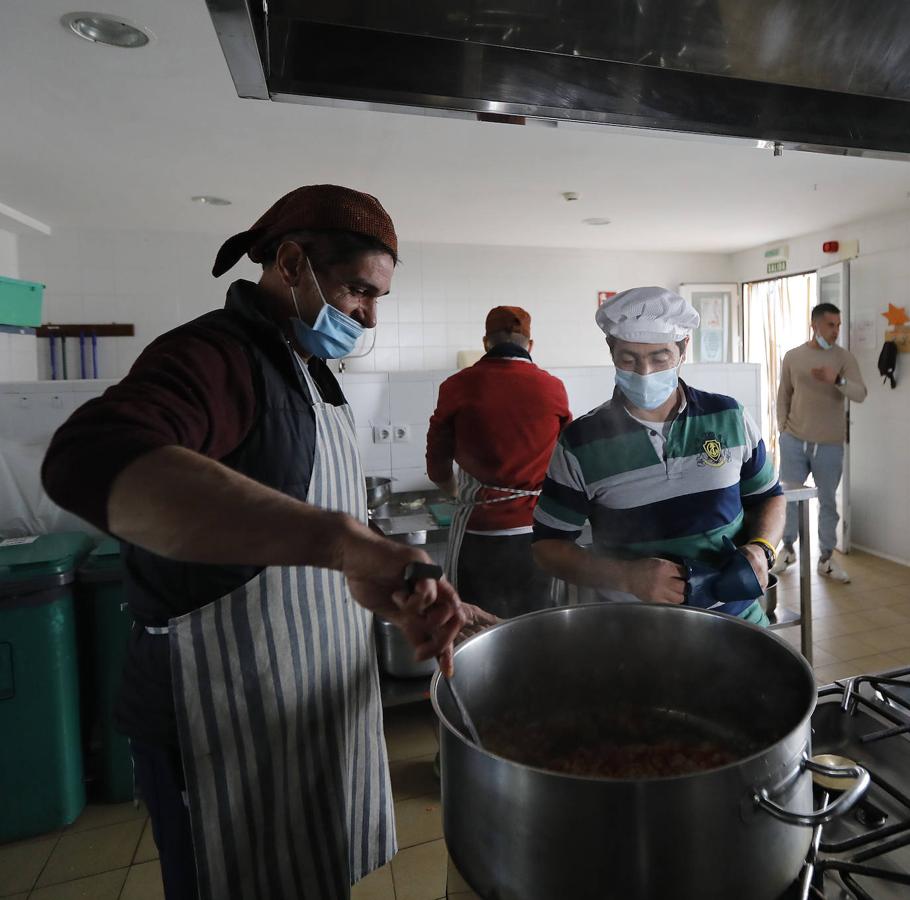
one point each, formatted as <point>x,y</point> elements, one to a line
<point>278,452</point>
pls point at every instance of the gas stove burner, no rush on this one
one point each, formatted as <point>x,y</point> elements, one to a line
<point>865,856</point>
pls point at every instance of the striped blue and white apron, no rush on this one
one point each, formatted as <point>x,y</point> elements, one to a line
<point>279,717</point>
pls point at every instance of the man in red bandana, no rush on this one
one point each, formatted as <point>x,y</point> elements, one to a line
<point>226,463</point>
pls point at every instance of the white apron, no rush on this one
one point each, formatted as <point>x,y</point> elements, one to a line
<point>468,487</point>
<point>279,717</point>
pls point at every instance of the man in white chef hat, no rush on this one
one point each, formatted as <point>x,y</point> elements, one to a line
<point>683,501</point>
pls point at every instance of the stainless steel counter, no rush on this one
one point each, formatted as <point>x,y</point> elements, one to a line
<point>415,526</point>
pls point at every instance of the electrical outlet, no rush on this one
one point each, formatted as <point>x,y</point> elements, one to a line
<point>401,434</point>
<point>382,434</point>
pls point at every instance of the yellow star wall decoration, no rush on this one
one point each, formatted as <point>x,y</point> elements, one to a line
<point>899,332</point>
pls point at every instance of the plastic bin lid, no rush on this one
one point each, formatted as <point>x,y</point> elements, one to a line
<point>103,563</point>
<point>38,558</point>
<point>109,547</point>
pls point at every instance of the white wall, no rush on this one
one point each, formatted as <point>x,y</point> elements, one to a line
<point>18,354</point>
<point>880,427</point>
<point>440,297</point>
<point>18,349</point>
<point>9,256</point>
<point>153,281</point>
<point>31,412</point>
<point>442,293</point>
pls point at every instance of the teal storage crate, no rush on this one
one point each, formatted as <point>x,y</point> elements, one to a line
<point>20,302</point>
<point>106,636</point>
<point>41,777</point>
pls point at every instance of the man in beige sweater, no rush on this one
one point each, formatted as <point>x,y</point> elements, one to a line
<point>816,379</point>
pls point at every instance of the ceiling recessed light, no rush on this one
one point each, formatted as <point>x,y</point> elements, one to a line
<point>100,28</point>
<point>208,200</point>
<point>596,221</point>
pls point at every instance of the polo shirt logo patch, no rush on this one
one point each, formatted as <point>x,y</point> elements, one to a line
<point>714,453</point>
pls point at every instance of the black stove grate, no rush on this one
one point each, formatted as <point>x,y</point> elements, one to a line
<point>864,856</point>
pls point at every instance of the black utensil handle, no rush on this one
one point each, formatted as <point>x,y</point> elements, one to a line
<point>415,571</point>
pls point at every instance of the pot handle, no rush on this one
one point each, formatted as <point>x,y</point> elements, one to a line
<point>843,804</point>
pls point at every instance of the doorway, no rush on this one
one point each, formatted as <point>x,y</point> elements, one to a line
<point>775,319</point>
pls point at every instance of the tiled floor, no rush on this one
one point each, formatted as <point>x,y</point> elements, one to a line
<point>863,626</point>
<point>109,853</point>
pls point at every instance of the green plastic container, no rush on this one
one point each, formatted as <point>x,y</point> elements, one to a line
<point>41,783</point>
<point>106,636</point>
<point>20,302</point>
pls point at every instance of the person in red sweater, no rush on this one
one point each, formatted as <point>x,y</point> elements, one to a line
<point>499,421</point>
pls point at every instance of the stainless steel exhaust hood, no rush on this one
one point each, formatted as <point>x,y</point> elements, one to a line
<point>827,75</point>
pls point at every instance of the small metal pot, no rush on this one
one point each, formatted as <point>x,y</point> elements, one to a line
<point>379,490</point>
<point>741,831</point>
<point>396,655</point>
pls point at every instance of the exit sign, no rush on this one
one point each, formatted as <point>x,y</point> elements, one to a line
<point>779,266</point>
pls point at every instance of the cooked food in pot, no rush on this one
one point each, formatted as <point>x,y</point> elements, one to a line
<point>621,744</point>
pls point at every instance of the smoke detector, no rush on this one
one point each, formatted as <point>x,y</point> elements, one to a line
<point>569,196</point>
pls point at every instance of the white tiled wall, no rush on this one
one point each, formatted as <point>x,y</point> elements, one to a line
<point>442,293</point>
<point>18,352</point>
<point>409,398</point>
<point>18,356</point>
<point>9,254</point>
<point>31,412</point>
<point>440,296</point>
<point>151,280</point>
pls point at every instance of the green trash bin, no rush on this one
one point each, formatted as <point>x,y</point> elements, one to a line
<point>41,778</point>
<point>105,635</point>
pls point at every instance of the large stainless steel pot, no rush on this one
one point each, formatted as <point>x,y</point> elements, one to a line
<point>520,833</point>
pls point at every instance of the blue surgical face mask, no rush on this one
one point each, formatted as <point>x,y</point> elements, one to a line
<point>822,342</point>
<point>648,391</point>
<point>333,334</point>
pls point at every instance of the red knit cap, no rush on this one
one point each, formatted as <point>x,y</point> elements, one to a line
<point>509,318</point>
<point>320,207</point>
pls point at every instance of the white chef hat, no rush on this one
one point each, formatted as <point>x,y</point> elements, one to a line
<point>647,315</point>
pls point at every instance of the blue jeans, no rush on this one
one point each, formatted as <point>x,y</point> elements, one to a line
<point>826,463</point>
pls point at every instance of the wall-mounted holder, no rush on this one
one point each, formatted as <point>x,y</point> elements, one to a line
<point>88,339</point>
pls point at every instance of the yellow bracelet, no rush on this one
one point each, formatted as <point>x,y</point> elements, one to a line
<point>767,544</point>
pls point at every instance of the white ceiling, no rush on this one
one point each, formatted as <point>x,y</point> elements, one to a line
<point>94,136</point>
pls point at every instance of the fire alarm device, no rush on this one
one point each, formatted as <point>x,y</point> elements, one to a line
<point>830,247</point>
<point>603,296</point>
